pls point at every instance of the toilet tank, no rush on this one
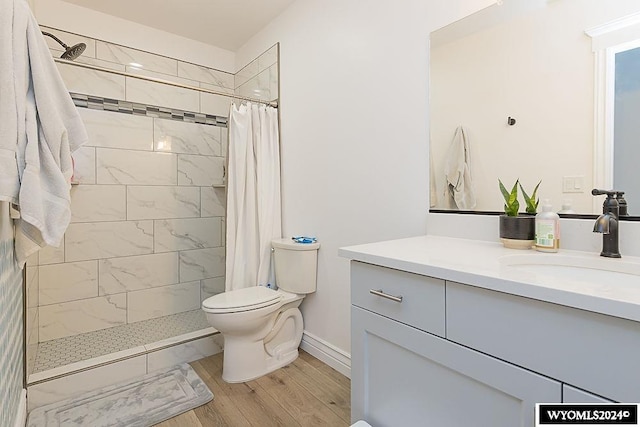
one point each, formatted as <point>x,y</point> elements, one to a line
<point>296,265</point>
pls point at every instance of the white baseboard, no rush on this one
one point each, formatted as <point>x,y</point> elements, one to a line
<point>329,354</point>
<point>21,413</point>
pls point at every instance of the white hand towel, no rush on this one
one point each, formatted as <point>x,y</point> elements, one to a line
<point>458,172</point>
<point>49,130</point>
<point>9,176</point>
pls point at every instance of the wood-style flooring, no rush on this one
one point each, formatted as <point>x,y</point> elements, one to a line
<point>305,393</point>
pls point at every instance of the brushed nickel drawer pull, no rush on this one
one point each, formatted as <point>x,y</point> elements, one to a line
<point>387,296</point>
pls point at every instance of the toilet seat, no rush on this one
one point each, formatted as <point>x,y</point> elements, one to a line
<point>240,300</point>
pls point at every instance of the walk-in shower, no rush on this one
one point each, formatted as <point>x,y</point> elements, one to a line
<point>121,296</point>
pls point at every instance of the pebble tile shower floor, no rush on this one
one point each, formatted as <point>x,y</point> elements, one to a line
<point>63,351</point>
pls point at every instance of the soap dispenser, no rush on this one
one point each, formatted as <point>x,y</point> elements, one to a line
<point>547,229</point>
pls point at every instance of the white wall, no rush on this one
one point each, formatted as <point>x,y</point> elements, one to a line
<point>353,104</point>
<point>575,234</point>
<point>75,19</point>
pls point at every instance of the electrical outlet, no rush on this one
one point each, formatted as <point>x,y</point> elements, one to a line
<point>573,184</point>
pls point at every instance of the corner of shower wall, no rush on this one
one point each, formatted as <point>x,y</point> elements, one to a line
<point>260,78</point>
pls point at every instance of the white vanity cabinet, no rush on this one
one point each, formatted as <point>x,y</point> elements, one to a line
<point>406,374</point>
<point>453,336</point>
<point>434,352</point>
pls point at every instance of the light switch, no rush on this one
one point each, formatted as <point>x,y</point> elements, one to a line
<point>573,184</point>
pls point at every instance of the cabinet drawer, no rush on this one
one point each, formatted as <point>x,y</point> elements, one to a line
<point>422,304</point>
<point>588,350</point>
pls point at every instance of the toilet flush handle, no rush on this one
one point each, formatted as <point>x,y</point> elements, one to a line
<point>379,293</point>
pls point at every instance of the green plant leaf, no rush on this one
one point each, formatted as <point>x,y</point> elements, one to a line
<point>532,202</point>
<point>511,205</point>
<point>504,191</point>
<point>534,198</point>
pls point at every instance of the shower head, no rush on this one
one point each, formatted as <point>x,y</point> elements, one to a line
<point>74,51</point>
<point>70,52</point>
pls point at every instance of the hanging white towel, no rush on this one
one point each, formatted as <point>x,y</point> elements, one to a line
<point>9,176</point>
<point>457,171</point>
<point>48,129</point>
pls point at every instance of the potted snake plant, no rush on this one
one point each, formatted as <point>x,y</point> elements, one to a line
<point>517,231</point>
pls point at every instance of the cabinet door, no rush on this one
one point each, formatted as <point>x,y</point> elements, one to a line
<point>588,350</point>
<point>402,376</point>
<point>575,395</point>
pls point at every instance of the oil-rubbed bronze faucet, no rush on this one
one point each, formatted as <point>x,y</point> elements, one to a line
<point>607,223</point>
<point>622,203</point>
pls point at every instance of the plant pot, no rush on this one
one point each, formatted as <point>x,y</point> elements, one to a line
<point>518,232</point>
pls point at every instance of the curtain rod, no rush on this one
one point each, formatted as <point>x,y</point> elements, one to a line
<point>162,81</point>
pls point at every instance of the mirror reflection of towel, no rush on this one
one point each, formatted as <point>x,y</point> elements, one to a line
<point>457,171</point>
<point>433,191</point>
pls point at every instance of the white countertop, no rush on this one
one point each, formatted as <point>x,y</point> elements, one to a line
<point>487,265</point>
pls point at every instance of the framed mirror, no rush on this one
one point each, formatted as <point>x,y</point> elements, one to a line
<point>526,90</point>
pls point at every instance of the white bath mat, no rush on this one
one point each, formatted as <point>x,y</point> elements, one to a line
<point>140,402</point>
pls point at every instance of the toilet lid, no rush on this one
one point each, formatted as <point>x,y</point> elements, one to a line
<point>243,299</point>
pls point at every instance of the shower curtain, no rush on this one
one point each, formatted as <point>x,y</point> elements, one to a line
<point>253,195</point>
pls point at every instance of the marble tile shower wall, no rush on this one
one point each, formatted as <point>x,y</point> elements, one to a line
<point>122,58</point>
<point>146,236</point>
<point>32,283</point>
<point>259,79</point>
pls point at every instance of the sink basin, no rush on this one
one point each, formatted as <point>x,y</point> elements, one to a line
<point>574,268</point>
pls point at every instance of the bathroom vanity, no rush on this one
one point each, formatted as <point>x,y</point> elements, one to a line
<point>454,332</point>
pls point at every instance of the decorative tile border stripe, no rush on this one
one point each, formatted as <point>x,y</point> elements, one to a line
<point>127,107</point>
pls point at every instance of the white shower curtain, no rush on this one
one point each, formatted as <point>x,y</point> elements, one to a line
<point>253,195</point>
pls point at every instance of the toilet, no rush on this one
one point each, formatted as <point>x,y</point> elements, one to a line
<point>262,327</point>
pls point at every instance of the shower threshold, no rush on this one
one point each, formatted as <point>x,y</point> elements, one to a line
<point>68,355</point>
